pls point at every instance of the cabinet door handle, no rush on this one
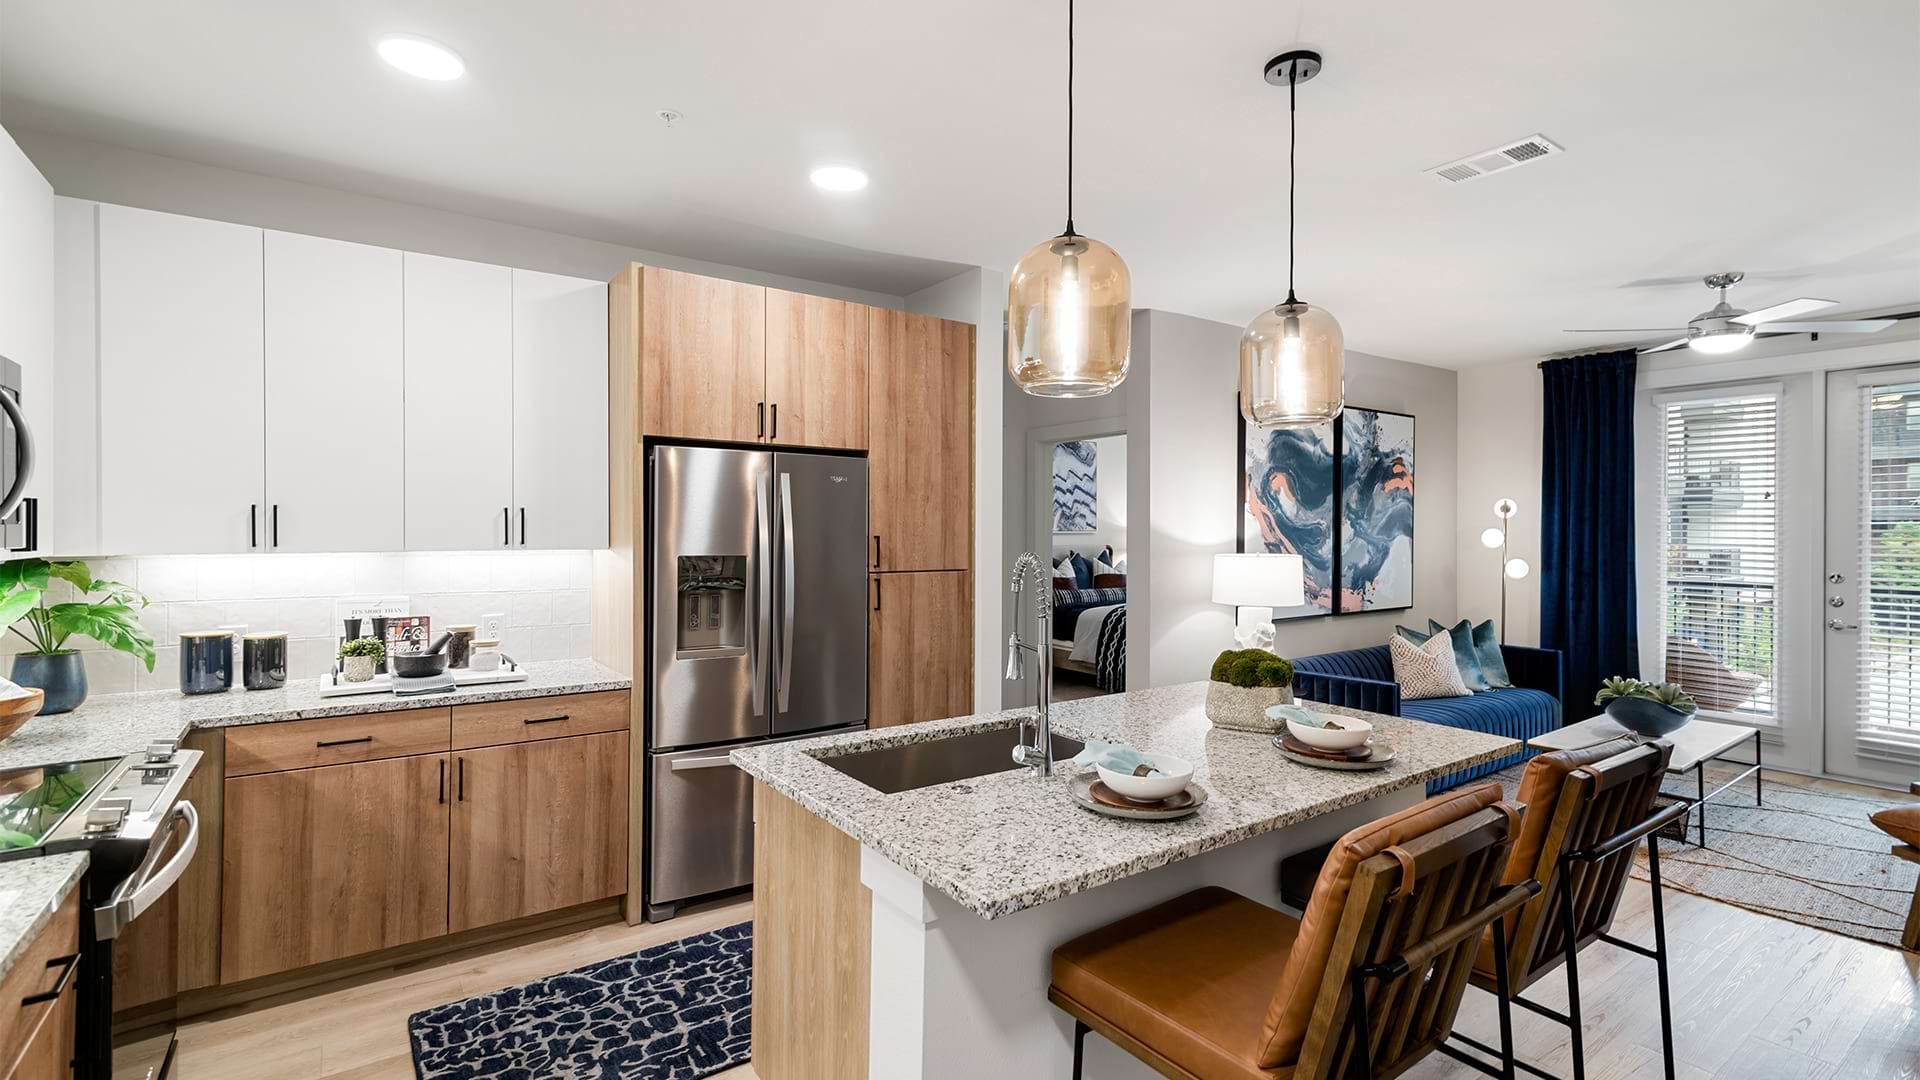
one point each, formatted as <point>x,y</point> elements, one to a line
<point>506,525</point>
<point>72,964</point>
<point>253,525</point>
<point>344,742</point>
<point>876,551</point>
<point>775,433</point>
<point>523,526</point>
<point>443,780</point>
<point>759,419</point>
<point>546,719</point>
<point>876,594</point>
<point>460,783</point>
<point>273,527</point>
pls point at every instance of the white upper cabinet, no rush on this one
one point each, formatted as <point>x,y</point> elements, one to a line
<point>182,431</point>
<point>559,411</point>
<point>335,411</point>
<point>459,405</point>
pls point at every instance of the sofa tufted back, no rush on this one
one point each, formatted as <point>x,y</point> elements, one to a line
<point>1372,662</point>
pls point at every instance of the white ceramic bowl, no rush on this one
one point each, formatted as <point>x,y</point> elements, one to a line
<point>1175,774</point>
<point>1348,733</point>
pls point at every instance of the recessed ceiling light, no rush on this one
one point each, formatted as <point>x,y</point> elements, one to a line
<point>422,58</point>
<point>839,178</point>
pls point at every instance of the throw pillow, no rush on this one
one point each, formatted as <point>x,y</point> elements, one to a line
<point>1082,571</point>
<point>1426,671</point>
<point>1418,637</point>
<point>1461,634</point>
<point>1900,822</point>
<point>1486,645</point>
<point>1100,567</point>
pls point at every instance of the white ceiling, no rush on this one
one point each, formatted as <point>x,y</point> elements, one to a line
<point>1778,137</point>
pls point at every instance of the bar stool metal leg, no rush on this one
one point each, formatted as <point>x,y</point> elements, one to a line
<point>1660,947</point>
<point>1571,945</point>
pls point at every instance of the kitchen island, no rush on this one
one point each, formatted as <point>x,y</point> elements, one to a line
<point>908,935</point>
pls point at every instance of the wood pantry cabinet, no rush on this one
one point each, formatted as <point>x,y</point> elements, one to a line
<point>919,647</point>
<point>920,434</point>
<point>352,834</point>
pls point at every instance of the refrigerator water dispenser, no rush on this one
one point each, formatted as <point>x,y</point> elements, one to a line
<point>713,605</point>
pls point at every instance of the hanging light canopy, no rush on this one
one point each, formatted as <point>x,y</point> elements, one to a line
<point>1069,304</point>
<point>1293,361</point>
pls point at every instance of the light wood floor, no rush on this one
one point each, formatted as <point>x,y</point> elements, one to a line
<point>1755,998</point>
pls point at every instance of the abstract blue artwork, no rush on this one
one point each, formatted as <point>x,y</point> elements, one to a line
<point>1075,501</point>
<point>1340,496</point>
<point>1287,505</point>
<point>1376,511</point>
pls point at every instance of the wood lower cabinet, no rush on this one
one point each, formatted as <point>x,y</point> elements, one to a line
<point>537,826</point>
<point>37,1000</point>
<point>919,647</point>
<point>920,440</point>
<point>332,861</point>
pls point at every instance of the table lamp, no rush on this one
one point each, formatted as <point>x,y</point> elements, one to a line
<point>1256,584</point>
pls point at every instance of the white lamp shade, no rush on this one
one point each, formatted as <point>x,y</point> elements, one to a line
<point>1517,568</point>
<point>1259,580</point>
<point>1492,538</point>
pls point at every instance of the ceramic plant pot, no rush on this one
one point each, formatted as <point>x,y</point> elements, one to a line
<point>61,675</point>
<point>1244,708</point>
<point>357,668</point>
<point>1646,717</point>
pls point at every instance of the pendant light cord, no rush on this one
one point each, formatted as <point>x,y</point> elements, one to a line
<point>1069,231</point>
<point>1293,84</point>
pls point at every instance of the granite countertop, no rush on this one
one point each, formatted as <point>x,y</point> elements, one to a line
<point>110,725</point>
<point>30,891</point>
<point>957,837</point>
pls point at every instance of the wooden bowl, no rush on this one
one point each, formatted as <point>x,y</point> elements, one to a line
<point>17,711</point>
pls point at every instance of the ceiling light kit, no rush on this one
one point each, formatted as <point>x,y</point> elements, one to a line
<point>1293,366</point>
<point>1069,304</point>
<point>839,178</point>
<point>1724,328</point>
<point>423,58</point>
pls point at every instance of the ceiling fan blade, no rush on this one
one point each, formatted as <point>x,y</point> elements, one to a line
<point>1787,310</point>
<point>1838,326</point>
<point>1674,344</point>
<point>1632,330</point>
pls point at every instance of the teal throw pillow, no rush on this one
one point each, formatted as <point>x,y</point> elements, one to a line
<point>1464,657</point>
<point>1418,637</point>
<point>1486,646</point>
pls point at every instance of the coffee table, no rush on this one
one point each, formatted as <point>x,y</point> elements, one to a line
<point>1696,744</point>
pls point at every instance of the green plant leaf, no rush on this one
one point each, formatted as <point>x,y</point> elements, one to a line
<point>30,572</point>
<point>75,573</point>
<point>116,626</point>
<point>15,605</point>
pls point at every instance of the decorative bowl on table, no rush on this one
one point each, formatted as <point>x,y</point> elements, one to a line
<point>1339,732</point>
<point>18,710</point>
<point>1175,775</point>
<point>1646,717</point>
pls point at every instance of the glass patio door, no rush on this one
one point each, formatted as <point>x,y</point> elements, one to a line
<point>1871,608</point>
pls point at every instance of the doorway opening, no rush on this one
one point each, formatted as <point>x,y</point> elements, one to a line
<point>1078,506</point>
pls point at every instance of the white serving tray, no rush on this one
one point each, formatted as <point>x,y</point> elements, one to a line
<point>383,684</point>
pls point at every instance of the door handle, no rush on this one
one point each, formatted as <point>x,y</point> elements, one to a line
<point>460,781</point>
<point>67,964</point>
<point>443,780</point>
<point>344,742</point>
<point>786,605</point>
<point>523,526</point>
<point>273,527</point>
<point>506,525</point>
<point>253,525</point>
<point>876,594</point>
<point>1836,624</point>
<point>684,764</point>
<point>876,551</point>
<point>775,433</point>
<point>759,419</point>
<point>763,592</point>
<point>547,719</point>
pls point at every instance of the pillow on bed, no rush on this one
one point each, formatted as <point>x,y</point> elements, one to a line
<point>1108,581</point>
<point>1089,597</point>
<point>1062,584</point>
<point>1082,571</point>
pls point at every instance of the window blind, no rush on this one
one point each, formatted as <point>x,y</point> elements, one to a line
<point>1888,714</point>
<point>1720,549</point>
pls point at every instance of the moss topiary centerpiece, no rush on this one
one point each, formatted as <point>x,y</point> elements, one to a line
<point>1649,710</point>
<point>1243,684</point>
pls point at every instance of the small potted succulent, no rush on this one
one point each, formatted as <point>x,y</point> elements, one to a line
<point>1244,683</point>
<point>113,620</point>
<point>1649,710</point>
<point>359,657</point>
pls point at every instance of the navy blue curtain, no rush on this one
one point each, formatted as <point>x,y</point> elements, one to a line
<point>1587,571</point>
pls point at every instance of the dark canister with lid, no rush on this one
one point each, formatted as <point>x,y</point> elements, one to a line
<point>459,645</point>
<point>206,661</point>
<point>263,660</point>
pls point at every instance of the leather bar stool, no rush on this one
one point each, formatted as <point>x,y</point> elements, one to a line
<point>1214,986</point>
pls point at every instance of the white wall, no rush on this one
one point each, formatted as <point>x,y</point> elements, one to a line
<point>544,595</point>
<point>1499,458</point>
<point>979,296</point>
<point>1110,503</point>
<point>113,174</point>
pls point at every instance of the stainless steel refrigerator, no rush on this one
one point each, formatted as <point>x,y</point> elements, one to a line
<point>757,585</point>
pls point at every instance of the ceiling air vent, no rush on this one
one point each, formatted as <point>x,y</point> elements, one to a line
<point>1473,167</point>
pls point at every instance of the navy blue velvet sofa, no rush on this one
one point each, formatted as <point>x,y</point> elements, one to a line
<point>1363,679</point>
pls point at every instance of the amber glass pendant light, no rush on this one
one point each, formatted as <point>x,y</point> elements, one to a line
<point>1293,361</point>
<point>1069,304</point>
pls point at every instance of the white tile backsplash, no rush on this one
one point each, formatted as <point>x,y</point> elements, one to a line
<point>544,593</point>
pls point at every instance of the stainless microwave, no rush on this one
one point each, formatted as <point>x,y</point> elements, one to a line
<point>19,516</point>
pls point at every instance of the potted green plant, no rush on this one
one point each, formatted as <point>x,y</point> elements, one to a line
<point>1244,683</point>
<point>359,657</point>
<point>1649,710</point>
<point>112,619</point>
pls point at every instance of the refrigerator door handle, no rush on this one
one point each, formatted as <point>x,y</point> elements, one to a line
<point>788,569</point>
<point>683,764</point>
<point>763,590</point>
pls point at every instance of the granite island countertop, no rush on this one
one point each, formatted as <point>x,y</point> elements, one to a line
<point>1008,841</point>
<point>30,891</point>
<point>110,725</point>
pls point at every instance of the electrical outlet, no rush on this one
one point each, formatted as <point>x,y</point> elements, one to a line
<point>493,626</point>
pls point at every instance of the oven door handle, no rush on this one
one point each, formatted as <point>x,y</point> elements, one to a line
<point>147,883</point>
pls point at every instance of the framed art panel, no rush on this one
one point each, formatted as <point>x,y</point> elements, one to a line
<point>1374,563</point>
<point>1287,504</point>
<point>1075,490</point>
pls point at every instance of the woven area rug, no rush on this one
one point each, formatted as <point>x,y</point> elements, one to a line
<point>673,1012</point>
<point>1807,855</point>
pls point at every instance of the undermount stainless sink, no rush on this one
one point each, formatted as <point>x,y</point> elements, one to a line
<point>939,761</point>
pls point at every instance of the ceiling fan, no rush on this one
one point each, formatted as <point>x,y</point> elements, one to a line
<point>1726,328</point>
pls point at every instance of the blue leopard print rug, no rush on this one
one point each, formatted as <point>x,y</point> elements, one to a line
<point>673,1012</point>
